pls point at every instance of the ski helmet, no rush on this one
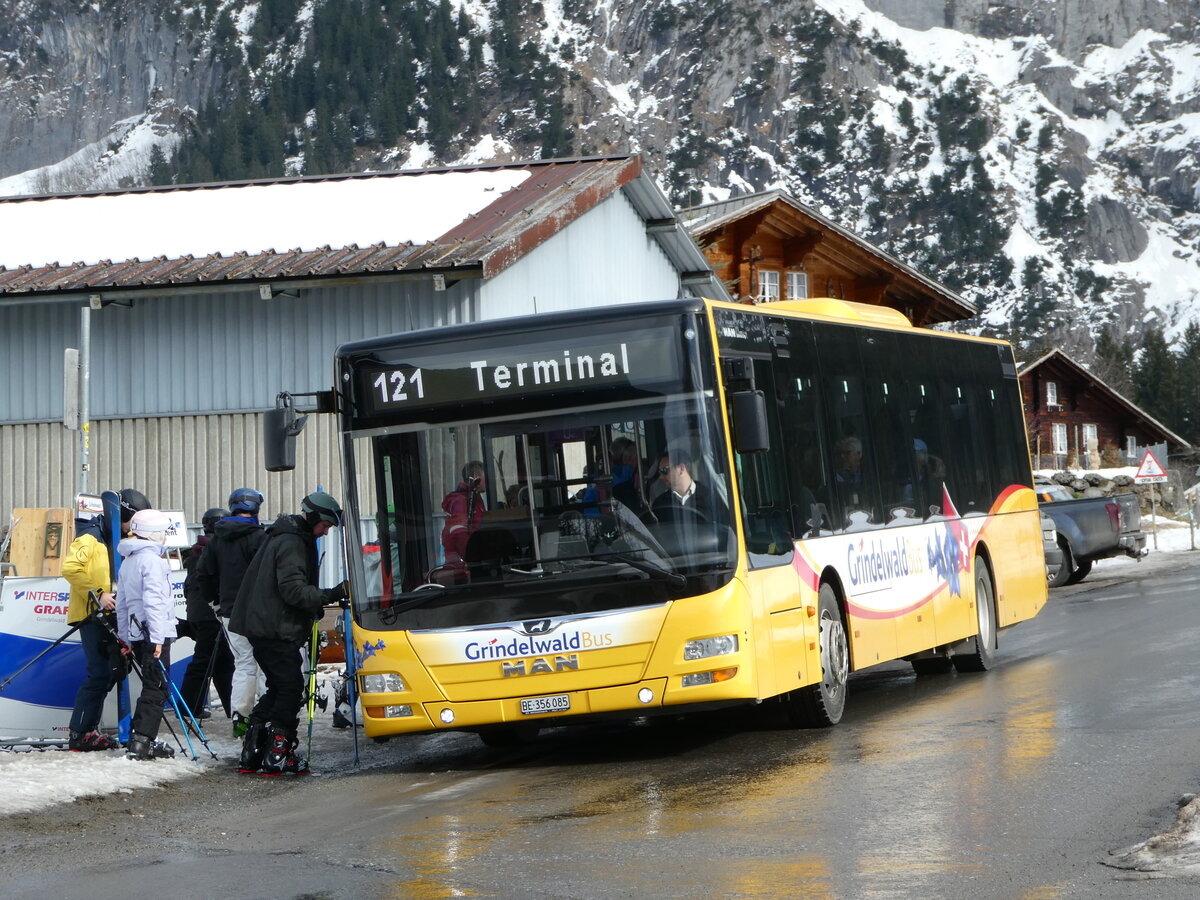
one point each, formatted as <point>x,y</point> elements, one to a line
<point>245,500</point>
<point>151,525</point>
<point>211,518</point>
<point>320,507</point>
<point>131,502</point>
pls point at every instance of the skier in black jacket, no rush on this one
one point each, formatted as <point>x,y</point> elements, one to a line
<point>212,656</point>
<point>276,607</point>
<point>218,575</point>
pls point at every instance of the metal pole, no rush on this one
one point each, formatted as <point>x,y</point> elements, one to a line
<point>85,425</point>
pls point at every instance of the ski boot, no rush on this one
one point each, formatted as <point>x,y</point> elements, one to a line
<point>142,747</point>
<point>281,756</point>
<point>254,745</point>
<point>92,740</point>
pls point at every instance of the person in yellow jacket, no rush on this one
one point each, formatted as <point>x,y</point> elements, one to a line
<point>87,568</point>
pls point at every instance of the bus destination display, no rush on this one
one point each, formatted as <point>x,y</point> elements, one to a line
<point>649,357</point>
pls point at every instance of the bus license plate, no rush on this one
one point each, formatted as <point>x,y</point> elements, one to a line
<point>532,706</point>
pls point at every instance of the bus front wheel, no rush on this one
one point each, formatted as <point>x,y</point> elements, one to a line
<point>821,705</point>
<point>982,655</point>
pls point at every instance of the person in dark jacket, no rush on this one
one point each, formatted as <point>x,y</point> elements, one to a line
<point>218,575</point>
<point>212,656</point>
<point>276,607</point>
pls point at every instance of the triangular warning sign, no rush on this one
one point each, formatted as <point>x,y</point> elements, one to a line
<point>1150,468</point>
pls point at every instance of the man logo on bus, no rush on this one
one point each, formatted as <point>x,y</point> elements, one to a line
<point>538,626</point>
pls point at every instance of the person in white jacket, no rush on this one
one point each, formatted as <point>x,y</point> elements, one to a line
<point>146,621</point>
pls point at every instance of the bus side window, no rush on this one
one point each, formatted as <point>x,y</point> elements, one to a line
<point>802,436</point>
<point>853,489</point>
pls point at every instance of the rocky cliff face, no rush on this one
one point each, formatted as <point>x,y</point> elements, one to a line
<point>78,80</point>
<point>1043,158</point>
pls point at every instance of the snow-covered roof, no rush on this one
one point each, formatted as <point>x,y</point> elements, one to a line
<point>480,218</point>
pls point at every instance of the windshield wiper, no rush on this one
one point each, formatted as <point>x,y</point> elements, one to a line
<point>642,566</point>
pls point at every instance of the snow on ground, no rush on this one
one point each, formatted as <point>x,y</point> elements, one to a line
<point>32,779</point>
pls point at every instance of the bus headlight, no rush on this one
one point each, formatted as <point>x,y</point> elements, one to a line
<point>382,683</point>
<point>714,646</point>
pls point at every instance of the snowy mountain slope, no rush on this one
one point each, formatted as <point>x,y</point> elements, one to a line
<point>1041,157</point>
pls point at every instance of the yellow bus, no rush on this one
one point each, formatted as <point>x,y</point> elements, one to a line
<point>676,506</point>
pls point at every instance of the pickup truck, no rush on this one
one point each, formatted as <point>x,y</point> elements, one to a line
<point>1090,528</point>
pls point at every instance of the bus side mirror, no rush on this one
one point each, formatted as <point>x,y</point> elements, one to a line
<point>280,427</point>
<point>750,433</point>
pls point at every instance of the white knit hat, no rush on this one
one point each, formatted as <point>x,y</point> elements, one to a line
<point>151,525</point>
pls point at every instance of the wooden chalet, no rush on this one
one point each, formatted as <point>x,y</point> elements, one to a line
<point>1075,420</point>
<point>769,246</point>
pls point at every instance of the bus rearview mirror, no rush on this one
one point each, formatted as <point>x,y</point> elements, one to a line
<point>280,427</point>
<point>750,433</point>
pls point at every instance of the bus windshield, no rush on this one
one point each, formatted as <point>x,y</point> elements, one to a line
<point>563,512</point>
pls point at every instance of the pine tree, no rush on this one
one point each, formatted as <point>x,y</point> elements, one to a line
<point>1188,420</point>
<point>1156,378</point>
<point>159,171</point>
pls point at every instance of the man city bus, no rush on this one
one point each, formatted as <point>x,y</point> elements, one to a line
<point>676,506</point>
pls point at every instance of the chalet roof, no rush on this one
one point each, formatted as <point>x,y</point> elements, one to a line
<point>708,218</point>
<point>465,221</point>
<point>1082,374</point>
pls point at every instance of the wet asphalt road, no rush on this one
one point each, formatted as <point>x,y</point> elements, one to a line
<point>1015,783</point>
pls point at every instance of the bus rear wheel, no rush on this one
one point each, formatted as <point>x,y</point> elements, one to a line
<point>982,655</point>
<point>821,705</point>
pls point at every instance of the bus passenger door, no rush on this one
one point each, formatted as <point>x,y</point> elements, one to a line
<point>769,536</point>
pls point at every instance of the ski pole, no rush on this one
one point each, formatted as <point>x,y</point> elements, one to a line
<point>351,672</point>
<point>313,649</point>
<point>127,653</point>
<point>73,629</point>
<point>180,706</point>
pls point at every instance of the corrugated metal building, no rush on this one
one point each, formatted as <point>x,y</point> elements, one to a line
<point>197,322</point>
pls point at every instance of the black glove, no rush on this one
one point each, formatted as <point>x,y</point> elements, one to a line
<point>339,593</point>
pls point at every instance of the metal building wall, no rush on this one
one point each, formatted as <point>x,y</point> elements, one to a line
<point>200,353</point>
<point>604,258</point>
<point>178,462</point>
<point>161,369</point>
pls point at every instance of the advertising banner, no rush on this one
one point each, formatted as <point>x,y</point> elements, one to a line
<point>37,703</point>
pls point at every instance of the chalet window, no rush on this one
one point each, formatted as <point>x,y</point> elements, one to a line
<point>1131,446</point>
<point>797,285</point>
<point>1091,438</point>
<point>1058,438</point>
<point>1052,393</point>
<point>768,285</point>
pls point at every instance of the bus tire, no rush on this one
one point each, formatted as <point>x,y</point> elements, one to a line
<point>983,653</point>
<point>1067,569</point>
<point>821,705</point>
<point>508,735</point>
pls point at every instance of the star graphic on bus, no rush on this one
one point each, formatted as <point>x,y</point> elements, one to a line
<point>948,549</point>
<point>369,649</point>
